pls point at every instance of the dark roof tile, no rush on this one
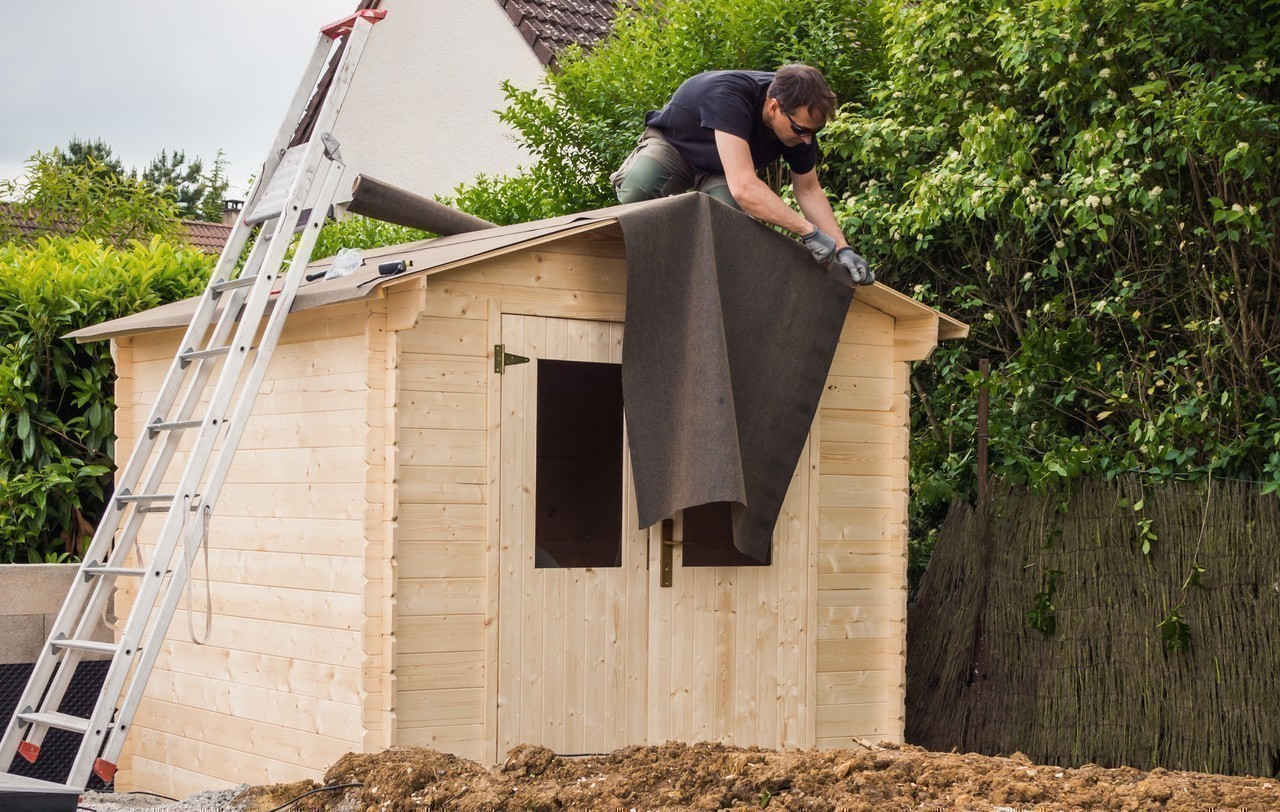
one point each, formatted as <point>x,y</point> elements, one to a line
<point>207,237</point>
<point>550,26</point>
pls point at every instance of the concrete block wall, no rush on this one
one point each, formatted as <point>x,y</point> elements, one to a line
<point>30,597</point>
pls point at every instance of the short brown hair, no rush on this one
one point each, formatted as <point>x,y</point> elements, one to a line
<point>798,85</point>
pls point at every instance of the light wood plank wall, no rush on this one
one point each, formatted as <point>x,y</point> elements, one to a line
<point>731,647</point>
<point>445,553</point>
<point>291,677</point>
<point>353,559</point>
<point>863,430</point>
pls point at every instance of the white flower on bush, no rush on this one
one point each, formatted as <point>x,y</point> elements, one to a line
<point>1156,191</point>
<point>1092,201</point>
<point>1104,73</point>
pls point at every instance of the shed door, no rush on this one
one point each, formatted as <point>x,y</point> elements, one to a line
<point>573,604</point>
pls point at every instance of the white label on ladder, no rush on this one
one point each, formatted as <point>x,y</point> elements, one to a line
<point>277,191</point>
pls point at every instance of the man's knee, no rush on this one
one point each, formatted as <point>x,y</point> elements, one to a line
<point>718,188</point>
<point>644,178</point>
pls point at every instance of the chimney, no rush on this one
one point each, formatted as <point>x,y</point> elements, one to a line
<point>231,211</point>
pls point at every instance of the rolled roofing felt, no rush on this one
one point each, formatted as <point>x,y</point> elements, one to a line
<point>382,201</point>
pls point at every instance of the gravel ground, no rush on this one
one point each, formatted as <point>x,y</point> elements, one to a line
<point>213,801</point>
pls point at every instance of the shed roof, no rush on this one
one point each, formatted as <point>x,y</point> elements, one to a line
<point>444,253</point>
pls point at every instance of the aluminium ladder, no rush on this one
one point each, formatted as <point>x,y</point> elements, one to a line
<point>226,343</point>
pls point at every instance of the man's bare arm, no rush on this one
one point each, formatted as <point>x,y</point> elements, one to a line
<point>813,202</point>
<point>754,195</point>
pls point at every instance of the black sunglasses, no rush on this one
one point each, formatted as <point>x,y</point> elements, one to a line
<point>796,128</point>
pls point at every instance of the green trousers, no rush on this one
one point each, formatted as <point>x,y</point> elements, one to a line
<point>656,169</point>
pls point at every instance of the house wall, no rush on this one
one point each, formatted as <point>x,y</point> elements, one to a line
<point>420,110</point>
<point>292,676</point>
<point>862,435</point>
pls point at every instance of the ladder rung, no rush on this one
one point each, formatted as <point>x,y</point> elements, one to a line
<point>232,284</point>
<point>145,497</point>
<point>85,645</point>
<point>91,570</point>
<point>195,505</point>
<point>62,721</point>
<point>159,426</point>
<point>187,356</point>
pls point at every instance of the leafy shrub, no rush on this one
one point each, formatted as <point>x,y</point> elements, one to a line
<point>56,411</point>
<point>90,198</point>
<point>1091,185</point>
<point>585,118</point>
<point>362,232</point>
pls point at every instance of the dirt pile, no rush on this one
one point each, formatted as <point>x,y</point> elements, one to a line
<point>713,777</point>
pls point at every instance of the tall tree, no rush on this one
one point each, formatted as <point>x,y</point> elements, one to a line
<point>81,152</point>
<point>178,179</point>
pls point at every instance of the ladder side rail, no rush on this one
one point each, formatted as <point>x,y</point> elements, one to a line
<point>194,536</point>
<point>47,684</point>
<point>203,371</point>
<point>206,311</point>
<point>298,195</point>
<point>197,460</point>
<point>99,586</point>
<point>289,124</point>
<point>185,493</point>
<point>270,338</point>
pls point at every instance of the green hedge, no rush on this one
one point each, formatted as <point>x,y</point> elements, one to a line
<point>56,408</point>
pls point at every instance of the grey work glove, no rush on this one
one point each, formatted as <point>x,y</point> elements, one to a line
<point>856,265</point>
<point>821,245</point>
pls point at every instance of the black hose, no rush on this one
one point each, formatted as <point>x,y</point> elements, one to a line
<point>313,792</point>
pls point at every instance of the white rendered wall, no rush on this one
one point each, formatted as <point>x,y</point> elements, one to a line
<point>421,110</point>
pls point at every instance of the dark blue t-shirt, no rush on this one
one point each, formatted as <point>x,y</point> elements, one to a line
<point>731,101</point>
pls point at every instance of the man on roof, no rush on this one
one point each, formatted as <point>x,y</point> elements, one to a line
<point>720,128</point>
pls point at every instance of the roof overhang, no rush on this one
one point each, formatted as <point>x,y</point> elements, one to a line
<point>429,257</point>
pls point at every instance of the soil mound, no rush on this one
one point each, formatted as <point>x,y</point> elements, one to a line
<point>674,776</point>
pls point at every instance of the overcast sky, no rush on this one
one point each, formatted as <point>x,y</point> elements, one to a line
<point>191,76</point>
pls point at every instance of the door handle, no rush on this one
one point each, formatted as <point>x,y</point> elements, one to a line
<point>668,552</point>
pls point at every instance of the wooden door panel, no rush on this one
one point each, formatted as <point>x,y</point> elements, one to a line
<point>572,641</point>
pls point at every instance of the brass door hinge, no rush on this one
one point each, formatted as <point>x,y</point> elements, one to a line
<point>503,359</point>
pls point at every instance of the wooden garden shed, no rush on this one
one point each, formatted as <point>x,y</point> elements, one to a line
<point>382,571</point>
